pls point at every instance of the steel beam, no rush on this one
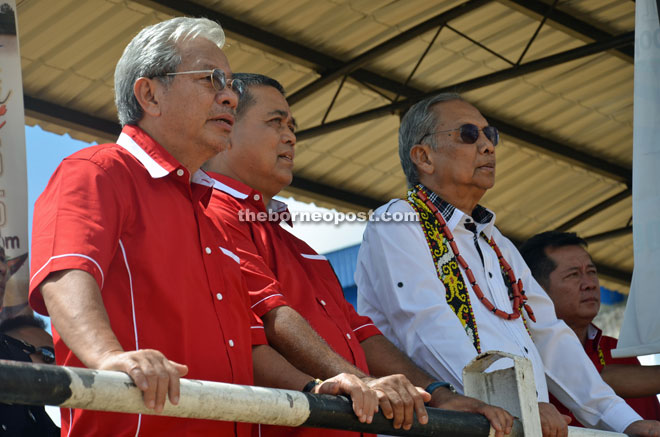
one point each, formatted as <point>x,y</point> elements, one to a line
<point>64,116</point>
<point>573,156</point>
<point>603,236</point>
<point>468,85</point>
<point>595,210</point>
<point>322,61</point>
<point>570,22</point>
<point>392,43</point>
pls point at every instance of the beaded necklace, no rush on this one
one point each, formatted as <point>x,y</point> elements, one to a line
<point>448,272</point>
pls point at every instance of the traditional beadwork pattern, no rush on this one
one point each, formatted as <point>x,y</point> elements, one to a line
<point>447,258</point>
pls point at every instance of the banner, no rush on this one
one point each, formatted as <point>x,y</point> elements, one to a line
<point>13,171</point>
<point>640,332</point>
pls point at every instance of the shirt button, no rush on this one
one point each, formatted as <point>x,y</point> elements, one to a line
<point>179,172</point>
<point>257,197</point>
<point>348,336</point>
<point>323,302</point>
<point>231,343</point>
<point>219,296</point>
<point>208,250</point>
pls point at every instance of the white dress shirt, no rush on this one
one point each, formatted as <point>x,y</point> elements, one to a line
<point>399,289</point>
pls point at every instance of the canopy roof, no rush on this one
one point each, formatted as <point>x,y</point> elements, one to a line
<point>556,77</point>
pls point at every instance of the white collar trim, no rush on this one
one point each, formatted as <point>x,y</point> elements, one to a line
<point>155,170</point>
<point>229,190</point>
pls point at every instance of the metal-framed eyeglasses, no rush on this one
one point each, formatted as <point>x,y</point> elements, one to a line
<point>218,80</point>
<point>470,133</point>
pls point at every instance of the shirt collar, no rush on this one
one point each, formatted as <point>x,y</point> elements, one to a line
<point>594,334</point>
<point>158,161</point>
<point>277,210</point>
<point>482,217</point>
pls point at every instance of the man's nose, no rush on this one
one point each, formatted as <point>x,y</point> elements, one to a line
<point>227,97</point>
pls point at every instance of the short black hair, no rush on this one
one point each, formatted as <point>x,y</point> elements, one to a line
<point>21,322</point>
<point>253,79</point>
<point>533,251</point>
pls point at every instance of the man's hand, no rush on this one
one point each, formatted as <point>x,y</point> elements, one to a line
<point>152,373</point>
<point>365,400</point>
<point>553,423</point>
<point>399,399</point>
<point>499,419</point>
<point>648,428</point>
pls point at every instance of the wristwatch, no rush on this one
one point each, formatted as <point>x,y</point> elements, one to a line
<point>436,384</point>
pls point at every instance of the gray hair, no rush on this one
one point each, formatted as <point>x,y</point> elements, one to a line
<point>416,125</point>
<point>152,53</point>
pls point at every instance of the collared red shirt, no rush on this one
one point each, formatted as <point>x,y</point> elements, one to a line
<point>170,280</point>
<point>647,407</point>
<point>281,269</point>
<point>399,289</point>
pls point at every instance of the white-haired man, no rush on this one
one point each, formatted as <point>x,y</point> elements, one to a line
<point>450,285</point>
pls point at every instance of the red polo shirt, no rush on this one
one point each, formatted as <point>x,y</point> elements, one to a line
<point>170,279</point>
<point>647,407</point>
<point>281,269</point>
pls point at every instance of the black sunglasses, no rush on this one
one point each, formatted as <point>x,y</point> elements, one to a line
<point>47,353</point>
<point>470,133</point>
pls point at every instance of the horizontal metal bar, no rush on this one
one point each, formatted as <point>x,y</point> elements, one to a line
<point>595,209</point>
<point>70,118</point>
<point>72,387</point>
<point>626,230</point>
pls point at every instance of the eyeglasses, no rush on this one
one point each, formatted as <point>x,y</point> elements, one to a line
<point>218,80</point>
<point>47,353</point>
<point>470,133</point>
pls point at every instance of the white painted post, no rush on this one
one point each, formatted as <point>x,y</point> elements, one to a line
<point>512,389</point>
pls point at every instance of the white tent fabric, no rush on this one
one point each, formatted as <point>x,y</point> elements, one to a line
<point>640,333</point>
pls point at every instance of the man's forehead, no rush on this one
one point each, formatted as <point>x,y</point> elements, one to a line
<point>270,101</point>
<point>566,257</point>
<point>203,54</point>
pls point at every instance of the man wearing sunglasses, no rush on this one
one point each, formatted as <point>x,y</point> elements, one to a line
<point>133,274</point>
<point>448,285</point>
<point>24,338</point>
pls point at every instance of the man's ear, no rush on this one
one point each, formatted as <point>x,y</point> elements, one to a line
<point>420,154</point>
<point>146,92</point>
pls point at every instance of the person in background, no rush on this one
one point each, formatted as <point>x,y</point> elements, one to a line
<point>561,264</point>
<point>24,338</point>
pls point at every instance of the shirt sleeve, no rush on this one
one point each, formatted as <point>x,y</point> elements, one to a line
<point>399,289</point>
<point>263,287</point>
<point>77,222</point>
<point>362,326</point>
<point>257,330</point>
<point>575,383</point>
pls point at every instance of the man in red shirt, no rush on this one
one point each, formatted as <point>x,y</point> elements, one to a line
<point>287,278</point>
<point>562,266</point>
<point>134,275</point>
